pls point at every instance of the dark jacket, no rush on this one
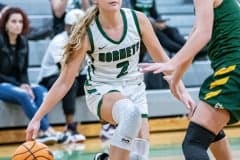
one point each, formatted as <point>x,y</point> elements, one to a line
<point>13,69</point>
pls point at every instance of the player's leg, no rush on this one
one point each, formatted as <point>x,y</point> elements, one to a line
<point>220,147</point>
<point>219,105</point>
<point>115,108</point>
<point>140,146</point>
<point>205,124</point>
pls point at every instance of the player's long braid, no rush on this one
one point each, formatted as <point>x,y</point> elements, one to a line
<point>78,32</point>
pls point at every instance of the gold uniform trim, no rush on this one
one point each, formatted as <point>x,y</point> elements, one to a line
<point>212,94</point>
<point>225,70</point>
<point>219,82</point>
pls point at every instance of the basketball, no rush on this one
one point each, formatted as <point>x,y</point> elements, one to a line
<point>32,150</point>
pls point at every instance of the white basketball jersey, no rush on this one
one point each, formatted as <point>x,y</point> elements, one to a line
<point>113,61</point>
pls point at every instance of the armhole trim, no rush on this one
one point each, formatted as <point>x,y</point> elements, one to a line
<point>90,37</point>
<point>136,22</point>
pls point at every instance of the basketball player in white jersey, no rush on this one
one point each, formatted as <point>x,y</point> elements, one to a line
<point>115,91</point>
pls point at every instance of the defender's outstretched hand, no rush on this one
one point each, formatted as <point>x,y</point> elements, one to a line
<point>156,67</point>
<point>173,77</point>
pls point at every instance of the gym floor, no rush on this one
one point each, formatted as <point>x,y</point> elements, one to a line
<point>164,146</point>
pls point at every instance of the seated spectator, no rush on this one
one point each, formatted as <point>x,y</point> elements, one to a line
<point>34,33</point>
<point>50,70</point>
<point>60,8</point>
<point>171,39</point>
<point>14,83</point>
<point>154,81</point>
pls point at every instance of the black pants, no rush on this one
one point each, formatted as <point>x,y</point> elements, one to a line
<point>68,101</point>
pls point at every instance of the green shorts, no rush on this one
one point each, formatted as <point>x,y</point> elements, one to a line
<point>222,90</point>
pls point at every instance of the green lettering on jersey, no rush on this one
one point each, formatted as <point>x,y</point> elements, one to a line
<point>124,65</point>
<point>123,53</point>
<point>128,49</point>
<point>109,57</point>
<point>102,57</point>
<point>120,54</point>
<point>116,55</point>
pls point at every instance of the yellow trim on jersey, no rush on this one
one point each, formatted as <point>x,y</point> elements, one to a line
<point>212,94</point>
<point>219,82</point>
<point>225,70</point>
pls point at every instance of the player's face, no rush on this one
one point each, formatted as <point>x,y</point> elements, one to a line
<point>14,24</point>
<point>109,5</point>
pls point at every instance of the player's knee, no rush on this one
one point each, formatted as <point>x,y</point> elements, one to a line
<point>196,142</point>
<point>135,118</point>
<point>129,121</point>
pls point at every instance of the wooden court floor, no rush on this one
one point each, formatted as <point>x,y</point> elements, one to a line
<point>164,146</point>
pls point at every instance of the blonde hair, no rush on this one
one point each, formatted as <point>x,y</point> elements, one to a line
<point>78,33</point>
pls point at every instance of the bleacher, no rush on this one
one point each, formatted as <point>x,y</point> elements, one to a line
<point>179,12</point>
<point>161,102</point>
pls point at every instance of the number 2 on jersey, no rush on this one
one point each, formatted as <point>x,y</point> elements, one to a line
<point>124,65</point>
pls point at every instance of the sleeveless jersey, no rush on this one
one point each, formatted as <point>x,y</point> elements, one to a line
<point>224,46</point>
<point>115,61</point>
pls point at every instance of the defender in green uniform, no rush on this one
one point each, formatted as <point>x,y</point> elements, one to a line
<point>217,22</point>
<point>221,89</point>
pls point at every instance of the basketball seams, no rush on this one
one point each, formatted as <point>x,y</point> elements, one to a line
<point>30,150</point>
<point>33,152</point>
<point>40,156</point>
<point>44,152</point>
<point>27,149</point>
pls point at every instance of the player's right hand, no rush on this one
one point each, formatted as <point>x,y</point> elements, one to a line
<point>32,130</point>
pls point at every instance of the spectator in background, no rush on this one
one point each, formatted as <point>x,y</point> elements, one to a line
<point>169,36</point>
<point>61,7</point>
<point>34,33</point>
<point>148,7</point>
<point>50,70</point>
<point>14,83</point>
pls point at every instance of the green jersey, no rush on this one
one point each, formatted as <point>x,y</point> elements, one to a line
<point>224,46</point>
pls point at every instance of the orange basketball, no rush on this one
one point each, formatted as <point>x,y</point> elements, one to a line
<point>32,150</point>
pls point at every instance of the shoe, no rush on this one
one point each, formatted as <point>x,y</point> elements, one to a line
<point>107,131</point>
<point>73,138</point>
<point>101,156</point>
<point>72,135</point>
<point>61,137</point>
<point>47,138</point>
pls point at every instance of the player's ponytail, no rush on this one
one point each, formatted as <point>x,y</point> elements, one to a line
<point>78,32</point>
